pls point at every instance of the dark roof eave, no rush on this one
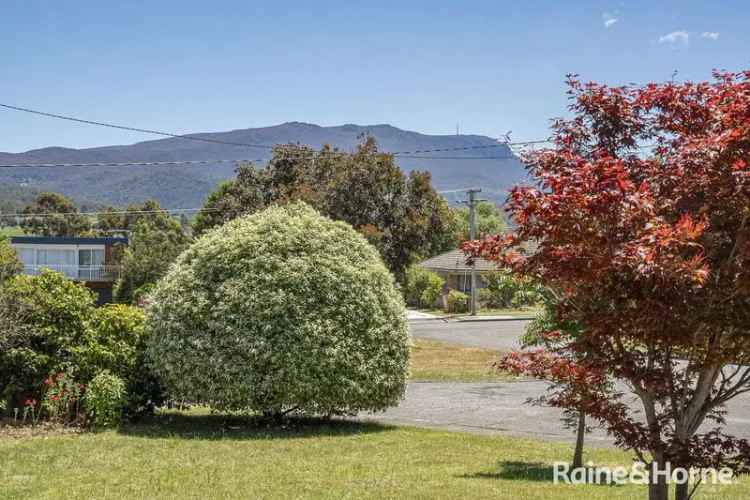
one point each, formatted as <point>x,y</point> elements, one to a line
<point>51,240</point>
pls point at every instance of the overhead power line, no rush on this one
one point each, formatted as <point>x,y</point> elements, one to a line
<point>197,137</point>
<point>113,212</point>
<point>192,137</point>
<point>417,154</point>
<point>210,162</point>
<point>127,163</point>
<point>242,160</point>
<point>468,148</point>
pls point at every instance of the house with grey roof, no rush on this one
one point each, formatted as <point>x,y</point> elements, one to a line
<point>452,267</point>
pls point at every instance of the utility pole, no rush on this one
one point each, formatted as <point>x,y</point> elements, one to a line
<point>472,202</point>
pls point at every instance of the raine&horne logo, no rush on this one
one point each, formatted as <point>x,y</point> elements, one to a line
<point>638,473</point>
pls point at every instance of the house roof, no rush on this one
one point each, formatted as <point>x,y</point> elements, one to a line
<point>455,260</point>
<point>51,240</point>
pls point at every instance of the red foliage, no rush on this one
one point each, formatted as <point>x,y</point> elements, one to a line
<point>648,249</point>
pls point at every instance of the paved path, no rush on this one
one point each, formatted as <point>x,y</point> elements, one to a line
<point>499,335</point>
<point>413,315</point>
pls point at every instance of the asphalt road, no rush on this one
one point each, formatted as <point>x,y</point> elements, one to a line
<point>484,408</point>
<point>500,335</point>
<point>500,408</point>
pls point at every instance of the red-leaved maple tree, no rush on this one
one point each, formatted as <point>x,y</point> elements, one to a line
<point>638,222</point>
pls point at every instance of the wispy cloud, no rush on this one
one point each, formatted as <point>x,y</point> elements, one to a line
<point>675,37</point>
<point>609,19</point>
<point>711,35</point>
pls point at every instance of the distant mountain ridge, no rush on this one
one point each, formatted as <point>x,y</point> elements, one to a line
<point>187,186</point>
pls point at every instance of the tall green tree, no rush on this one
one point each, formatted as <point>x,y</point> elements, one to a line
<point>156,239</point>
<point>244,194</point>
<point>489,218</point>
<point>154,244</point>
<point>53,214</point>
<point>123,221</point>
<point>402,215</point>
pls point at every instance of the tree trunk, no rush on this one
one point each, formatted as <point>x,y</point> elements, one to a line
<point>658,489</point>
<point>682,491</point>
<point>578,454</point>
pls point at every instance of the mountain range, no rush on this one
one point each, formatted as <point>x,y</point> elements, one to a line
<point>493,168</point>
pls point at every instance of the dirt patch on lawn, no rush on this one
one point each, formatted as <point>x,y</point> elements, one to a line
<point>14,430</point>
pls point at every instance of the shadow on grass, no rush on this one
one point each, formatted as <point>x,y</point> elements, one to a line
<point>523,471</point>
<point>219,426</point>
<point>513,470</point>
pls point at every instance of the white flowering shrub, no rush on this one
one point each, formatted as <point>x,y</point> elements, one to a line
<point>278,311</point>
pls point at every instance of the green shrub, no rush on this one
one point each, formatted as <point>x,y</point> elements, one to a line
<point>278,311</point>
<point>49,325</point>
<point>501,287</point>
<point>432,293</point>
<point>9,263</point>
<point>505,291</point>
<point>47,331</point>
<point>105,399</point>
<point>486,298</point>
<point>458,302</point>
<point>121,349</point>
<point>422,287</point>
<point>527,295</point>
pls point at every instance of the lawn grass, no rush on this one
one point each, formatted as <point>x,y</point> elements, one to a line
<point>196,455</point>
<point>433,361</point>
<point>522,312</point>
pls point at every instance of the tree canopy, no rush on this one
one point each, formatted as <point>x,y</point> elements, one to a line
<point>489,220</point>
<point>647,251</point>
<point>114,221</point>
<point>402,215</point>
<point>53,214</point>
<point>156,239</point>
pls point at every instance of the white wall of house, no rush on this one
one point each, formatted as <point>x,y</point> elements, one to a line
<point>78,262</point>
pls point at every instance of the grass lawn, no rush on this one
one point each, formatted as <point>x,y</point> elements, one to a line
<point>440,362</point>
<point>524,312</point>
<point>196,455</point>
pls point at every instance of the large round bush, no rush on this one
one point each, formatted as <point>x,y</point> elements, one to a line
<point>278,311</point>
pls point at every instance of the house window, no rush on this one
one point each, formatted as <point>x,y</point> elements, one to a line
<point>26,255</point>
<point>90,263</point>
<point>62,261</point>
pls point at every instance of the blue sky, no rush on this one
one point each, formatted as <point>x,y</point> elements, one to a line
<point>193,66</point>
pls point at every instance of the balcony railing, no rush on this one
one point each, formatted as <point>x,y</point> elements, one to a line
<point>78,273</point>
